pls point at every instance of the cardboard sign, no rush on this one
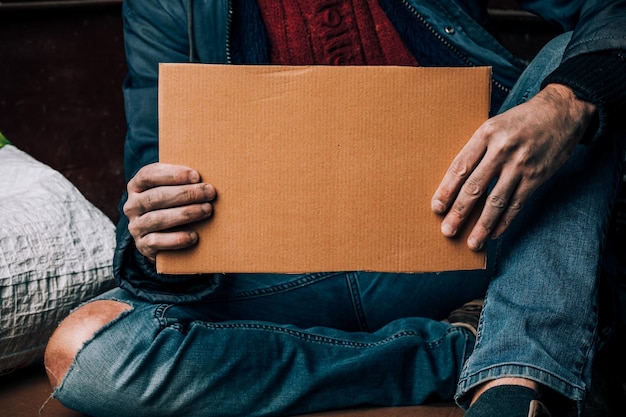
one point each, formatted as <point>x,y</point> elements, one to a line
<point>320,168</point>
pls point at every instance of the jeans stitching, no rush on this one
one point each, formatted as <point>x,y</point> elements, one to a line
<point>315,338</point>
<point>505,369</point>
<point>594,339</point>
<point>274,289</point>
<point>159,315</point>
<point>357,304</point>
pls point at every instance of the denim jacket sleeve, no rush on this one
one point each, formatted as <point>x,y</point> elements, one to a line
<point>597,25</point>
<point>155,31</point>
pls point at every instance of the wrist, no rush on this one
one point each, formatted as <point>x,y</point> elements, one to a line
<point>578,112</point>
<point>585,109</point>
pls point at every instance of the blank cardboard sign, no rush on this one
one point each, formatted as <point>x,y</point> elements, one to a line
<point>320,168</point>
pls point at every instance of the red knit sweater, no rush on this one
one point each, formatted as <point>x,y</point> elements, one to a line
<point>332,32</point>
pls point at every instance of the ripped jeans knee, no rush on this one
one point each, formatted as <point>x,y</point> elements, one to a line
<point>75,331</point>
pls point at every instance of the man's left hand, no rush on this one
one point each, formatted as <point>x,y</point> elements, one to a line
<point>522,148</point>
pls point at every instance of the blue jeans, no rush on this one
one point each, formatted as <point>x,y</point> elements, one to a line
<point>291,344</point>
<point>540,316</point>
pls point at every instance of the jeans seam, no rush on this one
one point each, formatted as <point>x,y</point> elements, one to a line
<point>159,315</point>
<point>315,338</point>
<point>494,270</point>
<point>617,182</point>
<point>274,289</point>
<point>357,304</point>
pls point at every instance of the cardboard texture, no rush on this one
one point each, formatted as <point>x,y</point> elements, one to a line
<point>320,168</point>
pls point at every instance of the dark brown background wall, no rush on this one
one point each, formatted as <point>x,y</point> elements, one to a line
<point>61,72</point>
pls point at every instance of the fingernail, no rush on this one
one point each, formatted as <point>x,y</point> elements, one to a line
<point>473,243</point>
<point>207,208</point>
<point>208,191</point>
<point>194,177</point>
<point>437,206</point>
<point>447,230</point>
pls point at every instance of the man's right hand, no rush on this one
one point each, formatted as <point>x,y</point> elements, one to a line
<point>161,199</point>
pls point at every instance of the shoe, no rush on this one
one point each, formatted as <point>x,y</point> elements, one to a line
<point>467,316</point>
<point>537,409</point>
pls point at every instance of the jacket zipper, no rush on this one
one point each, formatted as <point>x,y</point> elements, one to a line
<point>190,29</point>
<point>445,42</point>
<point>229,21</point>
